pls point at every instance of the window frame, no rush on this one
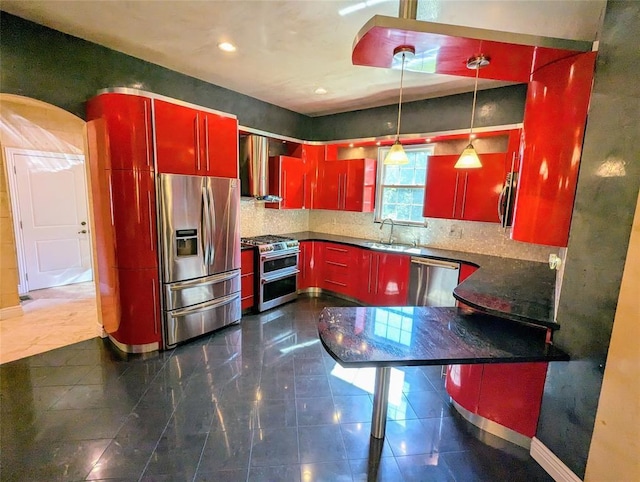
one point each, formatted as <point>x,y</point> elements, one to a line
<point>382,152</point>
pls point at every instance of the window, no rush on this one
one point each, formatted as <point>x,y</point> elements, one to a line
<point>401,188</point>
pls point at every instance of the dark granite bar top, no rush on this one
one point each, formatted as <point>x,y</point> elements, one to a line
<point>401,336</point>
<point>514,289</point>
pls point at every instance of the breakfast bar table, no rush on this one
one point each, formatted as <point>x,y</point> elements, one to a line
<point>385,337</point>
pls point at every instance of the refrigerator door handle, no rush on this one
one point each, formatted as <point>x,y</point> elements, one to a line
<point>203,231</point>
<point>212,224</point>
<point>225,300</point>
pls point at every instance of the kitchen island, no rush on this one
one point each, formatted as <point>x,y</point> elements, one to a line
<point>405,336</point>
<point>502,398</point>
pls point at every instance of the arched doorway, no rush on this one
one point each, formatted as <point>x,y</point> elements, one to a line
<point>42,150</point>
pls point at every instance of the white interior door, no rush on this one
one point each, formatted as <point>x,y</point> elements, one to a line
<point>50,209</point>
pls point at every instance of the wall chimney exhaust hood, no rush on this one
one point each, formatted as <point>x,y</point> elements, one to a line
<point>254,168</point>
<point>445,49</point>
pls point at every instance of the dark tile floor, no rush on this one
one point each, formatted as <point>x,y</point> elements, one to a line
<point>259,401</point>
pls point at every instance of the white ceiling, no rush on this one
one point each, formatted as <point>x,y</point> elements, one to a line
<point>287,49</point>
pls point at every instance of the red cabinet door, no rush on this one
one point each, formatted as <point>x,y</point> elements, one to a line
<point>511,395</point>
<point>393,279</point>
<point>441,191</point>
<point>554,122</point>
<point>482,188</point>
<point>219,138</point>
<point>127,120</point>
<point>286,179</point>
<point>178,144</point>
<point>463,385</point>
<point>247,286</point>
<point>134,219</point>
<point>360,185</point>
<point>333,175</point>
<point>312,157</point>
<point>139,307</point>
<point>467,194</point>
<point>307,265</point>
<point>338,264</point>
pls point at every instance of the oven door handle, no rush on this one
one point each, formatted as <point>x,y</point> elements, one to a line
<point>280,255</point>
<point>279,276</point>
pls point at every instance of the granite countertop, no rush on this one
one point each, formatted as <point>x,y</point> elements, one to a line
<point>514,289</point>
<point>401,336</point>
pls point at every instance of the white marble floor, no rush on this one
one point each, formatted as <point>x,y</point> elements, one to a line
<point>52,318</point>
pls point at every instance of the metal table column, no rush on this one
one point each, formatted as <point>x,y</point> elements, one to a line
<point>380,402</point>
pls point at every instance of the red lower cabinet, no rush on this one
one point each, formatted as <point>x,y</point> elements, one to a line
<point>308,265</point>
<point>508,394</point>
<point>384,278</point>
<point>463,385</point>
<point>247,278</point>
<point>339,269</point>
<point>139,308</point>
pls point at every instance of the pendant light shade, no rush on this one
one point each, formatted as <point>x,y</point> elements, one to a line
<point>469,158</point>
<point>396,155</point>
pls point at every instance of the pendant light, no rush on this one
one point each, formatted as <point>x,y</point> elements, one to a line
<point>469,158</point>
<point>396,155</point>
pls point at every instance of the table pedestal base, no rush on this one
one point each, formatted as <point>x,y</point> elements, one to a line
<point>380,402</point>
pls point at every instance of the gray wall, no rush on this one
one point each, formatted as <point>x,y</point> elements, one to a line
<point>598,242</point>
<point>65,71</point>
<point>494,107</point>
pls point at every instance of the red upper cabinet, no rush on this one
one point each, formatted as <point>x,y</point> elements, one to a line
<point>312,157</point>
<point>127,124</point>
<point>465,194</point>
<point>554,122</point>
<point>287,177</point>
<point>220,156</point>
<point>348,185</point>
<point>194,142</point>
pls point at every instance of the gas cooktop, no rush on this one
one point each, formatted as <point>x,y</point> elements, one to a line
<point>270,242</point>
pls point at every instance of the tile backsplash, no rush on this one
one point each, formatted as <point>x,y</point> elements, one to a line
<point>475,237</point>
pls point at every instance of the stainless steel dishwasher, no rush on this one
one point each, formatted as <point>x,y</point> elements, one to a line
<point>432,282</point>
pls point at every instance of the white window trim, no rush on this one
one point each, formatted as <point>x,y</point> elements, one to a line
<point>381,154</point>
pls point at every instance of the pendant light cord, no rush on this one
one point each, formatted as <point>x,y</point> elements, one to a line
<point>473,108</point>
<point>400,102</point>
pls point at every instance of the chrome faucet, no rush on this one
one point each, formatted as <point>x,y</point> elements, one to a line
<point>390,232</point>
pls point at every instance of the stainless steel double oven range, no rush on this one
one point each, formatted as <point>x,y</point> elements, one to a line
<point>277,263</point>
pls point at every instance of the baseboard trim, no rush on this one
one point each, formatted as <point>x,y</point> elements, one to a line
<point>10,312</point>
<point>551,463</point>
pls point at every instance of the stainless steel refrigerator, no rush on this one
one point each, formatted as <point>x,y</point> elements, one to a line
<point>199,231</point>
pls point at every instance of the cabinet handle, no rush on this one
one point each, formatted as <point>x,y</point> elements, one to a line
<point>155,307</point>
<point>330,248</point>
<point>455,196</point>
<point>206,141</point>
<point>283,187</point>
<point>377,272</point>
<point>304,190</point>
<point>196,124</point>
<point>464,194</point>
<point>146,131</point>
<point>334,263</point>
<point>370,268</point>
<point>151,244</point>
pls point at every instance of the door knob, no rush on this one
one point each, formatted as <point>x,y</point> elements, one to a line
<point>84,231</point>
<point>83,223</point>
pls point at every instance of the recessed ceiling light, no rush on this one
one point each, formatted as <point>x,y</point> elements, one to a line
<point>320,91</point>
<point>227,47</point>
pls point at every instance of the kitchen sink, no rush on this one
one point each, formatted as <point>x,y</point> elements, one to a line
<point>396,248</point>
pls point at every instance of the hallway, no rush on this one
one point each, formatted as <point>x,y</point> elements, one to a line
<point>52,318</point>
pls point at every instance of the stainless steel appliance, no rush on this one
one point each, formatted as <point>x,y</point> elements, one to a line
<point>507,198</point>
<point>278,269</point>
<point>253,154</point>
<point>200,254</point>
<point>432,281</point>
